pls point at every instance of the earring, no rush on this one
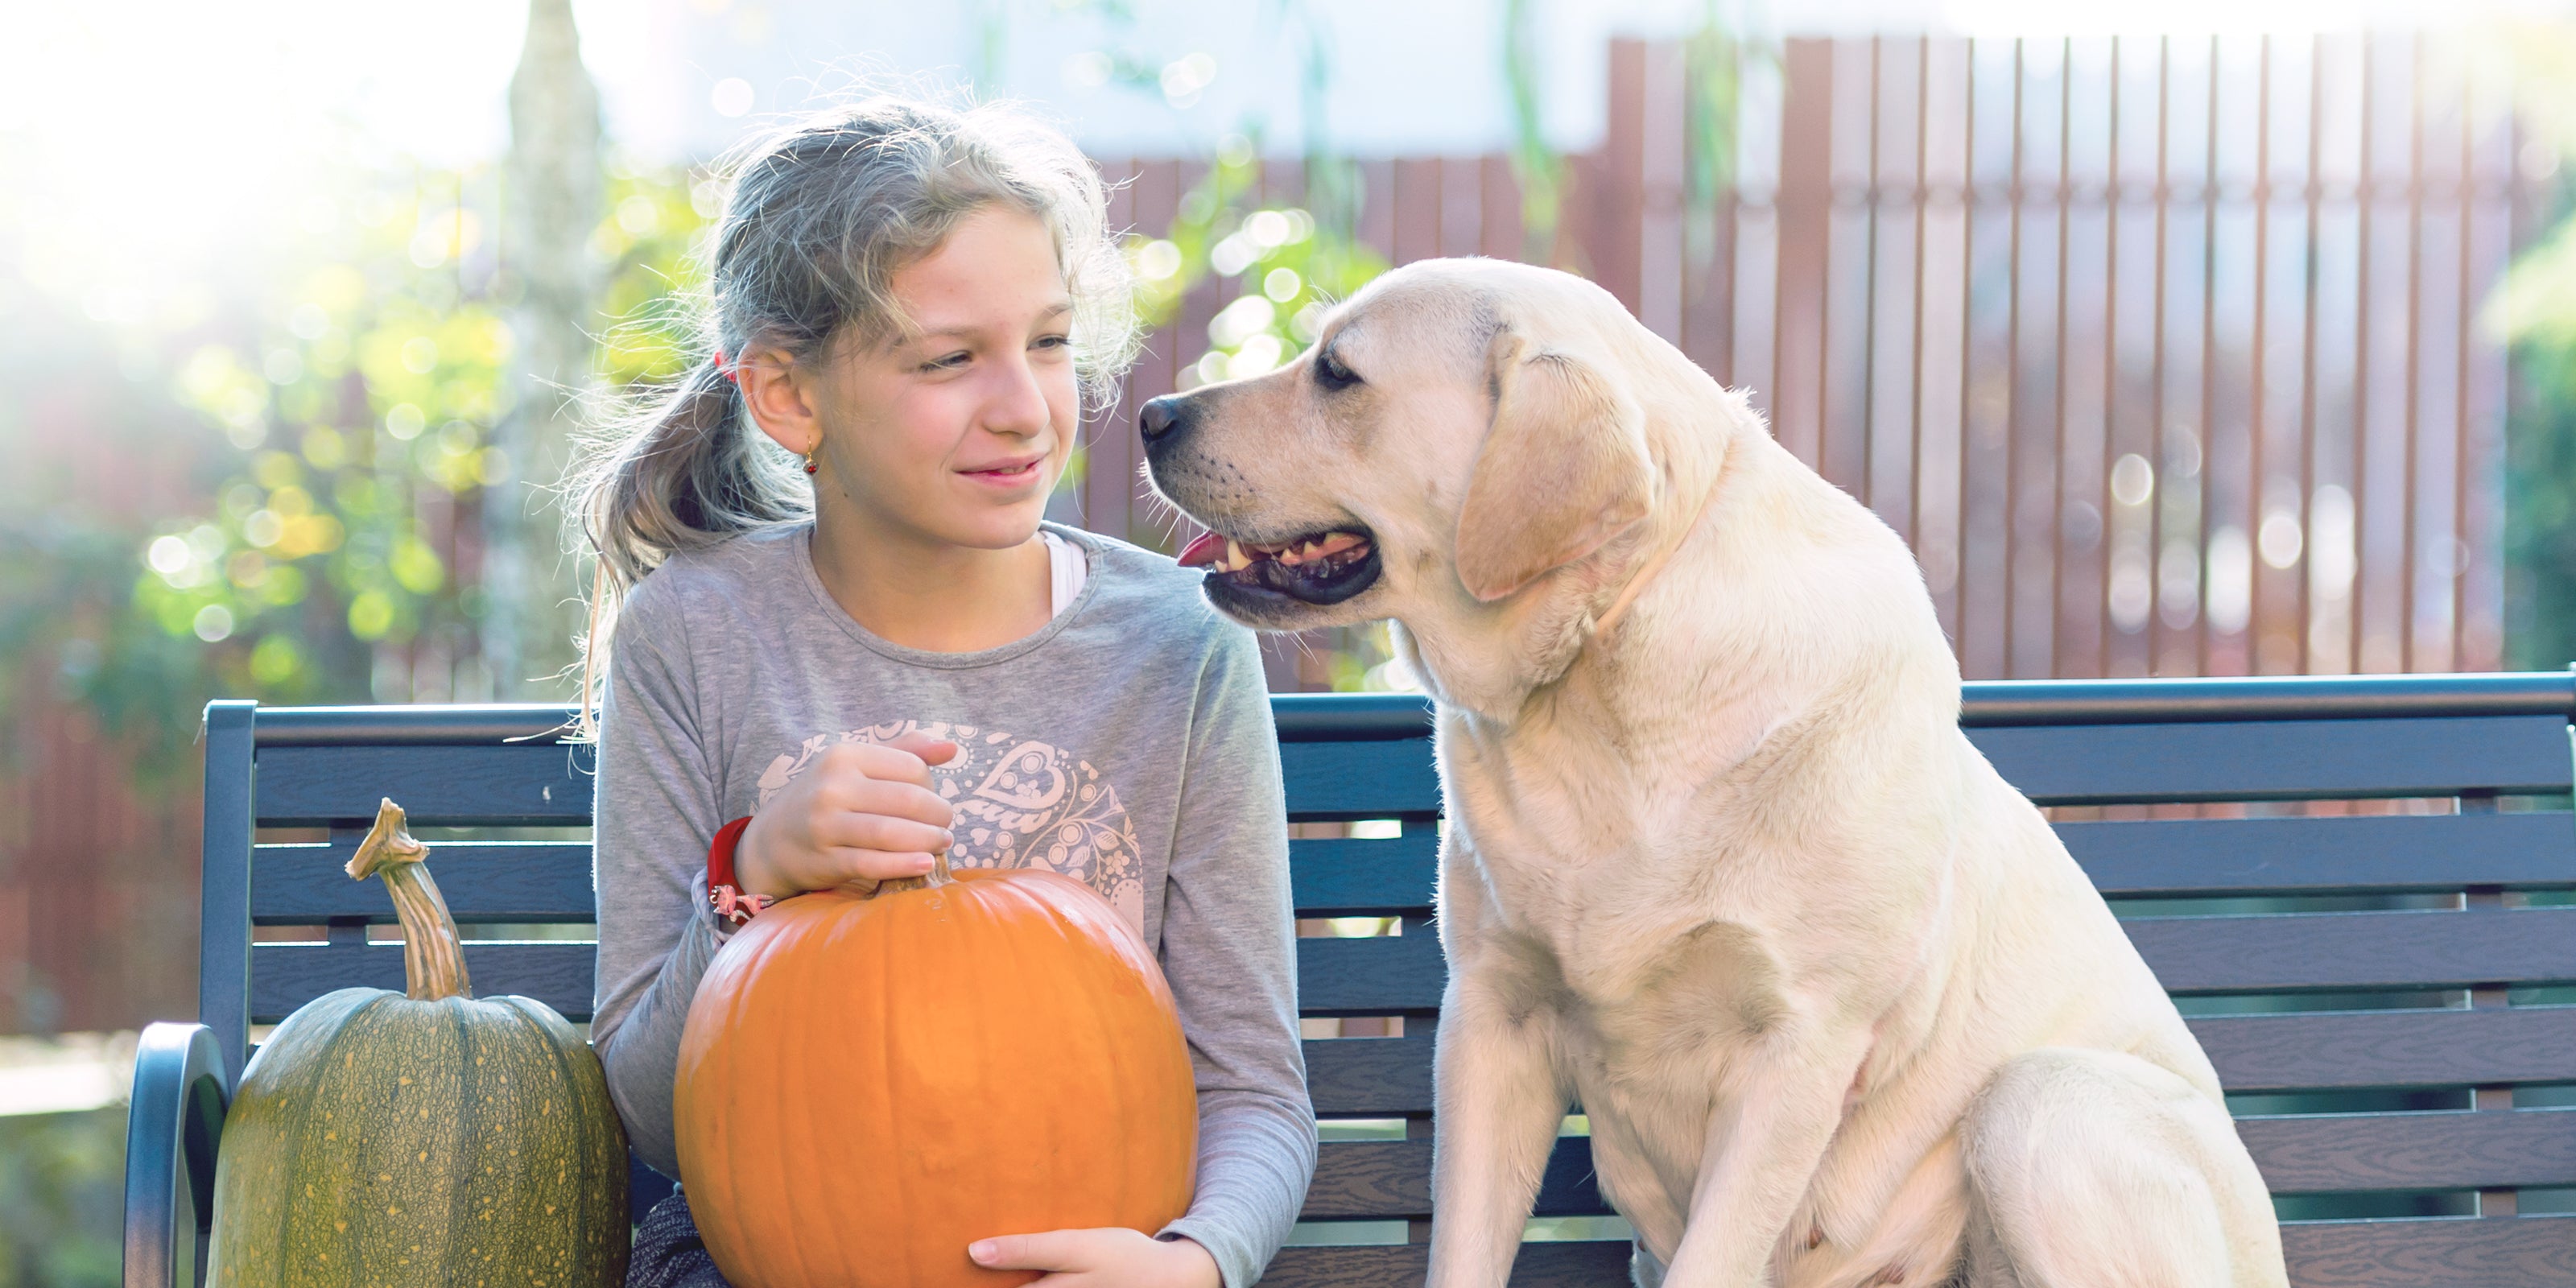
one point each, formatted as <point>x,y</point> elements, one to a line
<point>809,462</point>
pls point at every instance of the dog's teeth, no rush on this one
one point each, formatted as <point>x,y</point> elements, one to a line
<point>1235,559</point>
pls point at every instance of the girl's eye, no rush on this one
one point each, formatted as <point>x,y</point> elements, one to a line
<point>1054,341</point>
<point>1331,374</point>
<point>948,362</point>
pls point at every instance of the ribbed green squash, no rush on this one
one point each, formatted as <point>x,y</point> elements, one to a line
<point>431,1139</point>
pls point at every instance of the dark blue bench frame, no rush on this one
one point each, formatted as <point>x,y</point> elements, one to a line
<point>2481,740</point>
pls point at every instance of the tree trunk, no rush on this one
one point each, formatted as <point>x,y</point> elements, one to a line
<point>551,199</point>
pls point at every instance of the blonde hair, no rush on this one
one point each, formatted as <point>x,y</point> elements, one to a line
<point>820,215</point>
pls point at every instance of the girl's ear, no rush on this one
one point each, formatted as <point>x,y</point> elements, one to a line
<point>777,391</point>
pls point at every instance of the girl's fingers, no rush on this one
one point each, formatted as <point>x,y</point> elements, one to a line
<point>883,832</point>
<point>884,763</point>
<point>935,751</point>
<point>1059,1250</point>
<point>894,800</point>
<point>861,870</point>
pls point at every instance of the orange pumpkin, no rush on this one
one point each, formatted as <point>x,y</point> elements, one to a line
<point>868,1083</point>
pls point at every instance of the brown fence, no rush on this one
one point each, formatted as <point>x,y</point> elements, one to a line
<point>2163,353</point>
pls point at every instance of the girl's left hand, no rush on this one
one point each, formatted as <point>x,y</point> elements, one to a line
<point>1111,1258</point>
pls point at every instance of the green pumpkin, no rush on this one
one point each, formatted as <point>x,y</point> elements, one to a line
<point>430,1139</point>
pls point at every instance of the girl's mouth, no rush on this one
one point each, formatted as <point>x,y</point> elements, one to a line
<point>1006,475</point>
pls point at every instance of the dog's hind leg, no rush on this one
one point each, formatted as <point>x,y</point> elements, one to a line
<point>2095,1169</point>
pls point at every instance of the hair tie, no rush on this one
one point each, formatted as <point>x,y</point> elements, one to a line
<point>725,369</point>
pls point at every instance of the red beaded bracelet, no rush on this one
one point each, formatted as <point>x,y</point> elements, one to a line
<point>728,899</point>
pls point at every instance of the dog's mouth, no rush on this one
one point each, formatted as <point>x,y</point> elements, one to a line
<point>1324,567</point>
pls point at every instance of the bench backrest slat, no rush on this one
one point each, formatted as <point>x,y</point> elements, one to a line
<point>1328,781</point>
<point>1378,975</point>
<point>483,881</point>
<point>286,976</point>
<point>2310,1154</point>
<point>2282,760</point>
<point>1369,1078</point>
<point>521,785</point>
<point>1380,878</point>
<point>2390,853</point>
<point>2392,933</point>
<point>2362,1050</point>
<point>2359,950</point>
<point>549,881</point>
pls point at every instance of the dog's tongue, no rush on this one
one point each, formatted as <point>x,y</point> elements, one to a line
<point>1202,550</point>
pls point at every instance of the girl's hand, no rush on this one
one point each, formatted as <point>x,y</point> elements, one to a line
<point>860,814</point>
<point>1112,1258</point>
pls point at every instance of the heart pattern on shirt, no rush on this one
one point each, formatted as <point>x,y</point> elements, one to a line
<point>1020,803</point>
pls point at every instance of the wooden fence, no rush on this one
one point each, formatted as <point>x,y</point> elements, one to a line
<point>2163,353</point>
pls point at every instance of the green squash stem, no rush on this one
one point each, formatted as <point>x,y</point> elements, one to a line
<point>433,957</point>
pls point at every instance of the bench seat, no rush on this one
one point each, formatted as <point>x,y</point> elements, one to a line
<point>2388,992</point>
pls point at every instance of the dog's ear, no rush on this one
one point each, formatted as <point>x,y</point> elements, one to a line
<point>1563,470</point>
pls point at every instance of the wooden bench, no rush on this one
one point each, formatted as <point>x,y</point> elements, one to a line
<point>2382,993</point>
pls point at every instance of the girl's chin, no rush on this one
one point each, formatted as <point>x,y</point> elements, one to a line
<point>1003,527</point>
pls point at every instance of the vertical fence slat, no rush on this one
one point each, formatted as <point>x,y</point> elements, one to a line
<point>1662,162</point>
<point>2260,583</point>
<point>1499,209</point>
<point>1804,206</point>
<point>1417,209</point>
<point>2309,395</point>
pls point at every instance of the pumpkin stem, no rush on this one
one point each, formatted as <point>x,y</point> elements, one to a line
<point>433,957</point>
<point>938,876</point>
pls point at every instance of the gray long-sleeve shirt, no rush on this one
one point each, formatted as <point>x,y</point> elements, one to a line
<point>1127,744</point>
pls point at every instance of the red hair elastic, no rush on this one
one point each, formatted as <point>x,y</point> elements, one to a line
<point>725,369</point>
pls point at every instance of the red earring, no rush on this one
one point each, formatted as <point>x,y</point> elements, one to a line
<point>809,462</point>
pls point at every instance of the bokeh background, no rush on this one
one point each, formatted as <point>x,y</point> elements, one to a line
<point>2192,338</point>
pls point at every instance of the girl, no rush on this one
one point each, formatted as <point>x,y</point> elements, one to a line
<point>910,301</point>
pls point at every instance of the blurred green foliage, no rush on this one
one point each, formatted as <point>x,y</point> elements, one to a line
<point>60,1199</point>
<point>654,218</point>
<point>2535,311</point>
<point>336,432</point>
<point>1284,266</point>
<point>2540,504</point>
<point>380,373</point>
<point>1536,165</point>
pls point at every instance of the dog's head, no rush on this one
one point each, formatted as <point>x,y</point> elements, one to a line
<point>1460,430</point>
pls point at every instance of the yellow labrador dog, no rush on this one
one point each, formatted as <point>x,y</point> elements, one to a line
<point>1721,868</point>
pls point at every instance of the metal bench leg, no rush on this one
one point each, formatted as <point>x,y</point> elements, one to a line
<point>180,1094</point>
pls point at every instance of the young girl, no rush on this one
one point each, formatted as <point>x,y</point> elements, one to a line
<point>909,301</point>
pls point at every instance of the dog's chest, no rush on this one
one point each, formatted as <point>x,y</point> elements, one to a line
<point>1644,1003</point>
<point>1645,1041</point>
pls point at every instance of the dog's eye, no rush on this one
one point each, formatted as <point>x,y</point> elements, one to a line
<point>1331,374</point>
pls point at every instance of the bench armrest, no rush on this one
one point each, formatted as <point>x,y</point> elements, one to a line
<point>177,1118</point>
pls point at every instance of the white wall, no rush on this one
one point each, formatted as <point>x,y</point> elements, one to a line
<point>1410,76</point>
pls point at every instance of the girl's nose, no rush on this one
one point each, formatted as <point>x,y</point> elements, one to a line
<point>1018,405</point>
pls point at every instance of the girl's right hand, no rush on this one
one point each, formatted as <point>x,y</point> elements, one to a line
<point>860,814</point>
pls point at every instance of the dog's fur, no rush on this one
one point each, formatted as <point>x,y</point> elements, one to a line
<point>1841,1009</point>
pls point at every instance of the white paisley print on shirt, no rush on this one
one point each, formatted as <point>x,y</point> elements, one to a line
<point>1020,804</point>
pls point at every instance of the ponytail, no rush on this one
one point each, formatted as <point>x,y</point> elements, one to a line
<point>682,472</point>
<point>687,473</point>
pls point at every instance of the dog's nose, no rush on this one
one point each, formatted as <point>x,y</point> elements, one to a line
<point>1160,417</point>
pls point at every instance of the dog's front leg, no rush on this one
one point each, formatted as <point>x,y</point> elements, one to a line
<point>1763,1147</point>
<point>1499,1106</point>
